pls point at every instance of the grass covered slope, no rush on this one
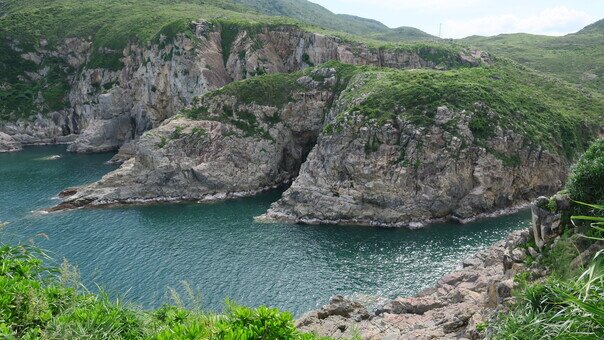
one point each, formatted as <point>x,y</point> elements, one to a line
<point>577,58</point>
<point>549,113</point>
<point>314,14</point>
<point>40,302</point>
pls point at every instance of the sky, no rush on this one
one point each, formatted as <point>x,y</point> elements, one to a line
<point>461,18</point>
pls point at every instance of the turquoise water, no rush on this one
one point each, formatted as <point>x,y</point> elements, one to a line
<point>140,251</point>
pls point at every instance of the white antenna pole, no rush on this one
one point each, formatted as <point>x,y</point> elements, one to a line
<point>440,28</point>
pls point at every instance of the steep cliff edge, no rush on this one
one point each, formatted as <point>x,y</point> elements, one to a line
<point>389,147</point>
<point>225,146</point>
<point>98,90</point>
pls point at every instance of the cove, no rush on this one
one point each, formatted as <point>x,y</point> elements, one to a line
<point>137,252</point>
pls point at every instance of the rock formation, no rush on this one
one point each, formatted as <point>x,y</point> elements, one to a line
<point>453,308</point>
<point>109,105</point>
<point>8,144</point>
<point>415,174</point>
<point>403,169</point>
<point>222,148</point>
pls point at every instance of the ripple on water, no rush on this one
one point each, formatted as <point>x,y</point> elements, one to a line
<point>140,251</point>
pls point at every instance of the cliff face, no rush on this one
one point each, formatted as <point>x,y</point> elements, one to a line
<point>221,148</point>
<point>403,164</point>
<point>402,172</point>
<point>131,91</point>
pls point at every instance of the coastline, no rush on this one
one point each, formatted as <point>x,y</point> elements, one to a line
<point>454,307</point>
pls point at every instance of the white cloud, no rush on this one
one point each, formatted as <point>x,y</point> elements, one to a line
<point>551,21</point>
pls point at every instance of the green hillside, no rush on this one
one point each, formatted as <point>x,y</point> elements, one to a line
<point>550,113</point>
<point>110,25</point>
<point>314,14</point>
<point>577,58</point>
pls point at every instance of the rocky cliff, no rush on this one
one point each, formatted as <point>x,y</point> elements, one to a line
<point>401,173</point>
<point>221,148</point>
<point>363,145</point>
<point>98,100</point>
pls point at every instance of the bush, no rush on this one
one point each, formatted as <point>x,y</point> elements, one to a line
<point>586,181</point>
<point>35,303</point>
<point>560,307</point>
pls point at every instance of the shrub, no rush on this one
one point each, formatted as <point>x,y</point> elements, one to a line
<point>586,181</point>
<point>35,303</point>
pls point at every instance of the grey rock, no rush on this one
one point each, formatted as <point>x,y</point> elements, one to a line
<point>343,182</point>
<point>111,107</point>
<point>451,309</point>
<point>546,225</point>
<point>8,143</point>
<point>533,252</point>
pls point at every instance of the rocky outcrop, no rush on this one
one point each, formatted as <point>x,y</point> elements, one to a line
<point>361,170</point>
<point>225,148</point>
<point>403,173</point>
<point>547,218</point>
<point>143,85</point>
<point>452,309</point>
<point>8,144</point>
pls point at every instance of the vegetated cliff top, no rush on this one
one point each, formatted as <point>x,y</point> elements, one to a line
<point>315,14</point>
<point>550,113</point>
<point>577,57</point>
<point>112,22</point>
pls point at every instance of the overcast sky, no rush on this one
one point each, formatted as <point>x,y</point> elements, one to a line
<point>461,18</point>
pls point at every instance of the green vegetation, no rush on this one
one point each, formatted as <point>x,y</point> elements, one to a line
<point>314,14</point>
<point>577,58</point>
<point>237,117</point>
<point>568,304</point>
<point>271,89</point>
<point>548,112</point>
<point>40,302</point>
<point>586,182</point>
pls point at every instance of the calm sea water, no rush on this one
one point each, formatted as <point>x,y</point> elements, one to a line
<point>137,252</point>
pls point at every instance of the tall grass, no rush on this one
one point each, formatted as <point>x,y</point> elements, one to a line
<point>40,302</point>
<point>561,309</point>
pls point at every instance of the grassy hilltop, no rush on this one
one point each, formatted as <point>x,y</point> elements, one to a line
<point>577,58</point>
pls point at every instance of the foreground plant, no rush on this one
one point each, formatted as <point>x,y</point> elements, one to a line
<point>40,302</point>
<point>561,309</point>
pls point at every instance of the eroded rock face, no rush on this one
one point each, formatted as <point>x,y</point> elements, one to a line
<point>109,107</point>
<point>401,173</point>
<point>8,144</point>
<point>450,309</point>
<point>362,171</point>
<point>232,149</point>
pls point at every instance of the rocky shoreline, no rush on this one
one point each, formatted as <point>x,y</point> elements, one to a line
<point>459,305</point>
<point>275,217</point>
<point>209,198</point>
<point>453,308</point>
